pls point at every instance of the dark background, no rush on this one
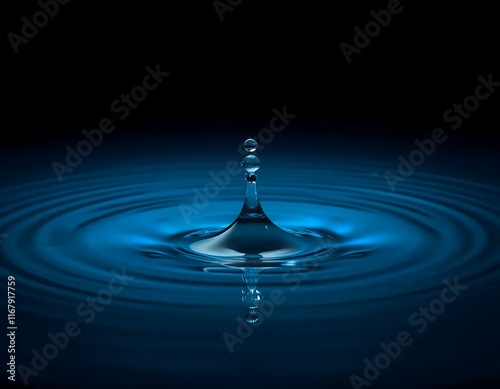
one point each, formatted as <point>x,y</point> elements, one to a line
<point>261,56</point>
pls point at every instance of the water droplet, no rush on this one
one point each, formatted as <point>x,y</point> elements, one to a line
<point>250,145</point>
<point>250,163</point>
<point>252,298</point>
<point>251,317</point>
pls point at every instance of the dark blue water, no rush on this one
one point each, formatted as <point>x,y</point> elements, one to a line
<point>168,325</point>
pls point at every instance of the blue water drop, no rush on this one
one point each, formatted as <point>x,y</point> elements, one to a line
<point>251,163</point>
<point>250,145</point>
<point>252,298</point>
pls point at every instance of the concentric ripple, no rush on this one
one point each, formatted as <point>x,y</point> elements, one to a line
<point>65,239</point>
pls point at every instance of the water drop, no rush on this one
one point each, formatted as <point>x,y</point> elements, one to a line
<point>250,145</point>
<point>252,298</point>
<point>250,163</point>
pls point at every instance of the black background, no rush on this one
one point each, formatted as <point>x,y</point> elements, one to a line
<point>261,56</point>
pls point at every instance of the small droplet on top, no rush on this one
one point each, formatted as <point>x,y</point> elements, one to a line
<point>250,145</point>
<point>251,163</point>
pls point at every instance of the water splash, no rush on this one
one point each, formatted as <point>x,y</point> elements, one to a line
<point>253,236</point>
<point>253,242</point>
